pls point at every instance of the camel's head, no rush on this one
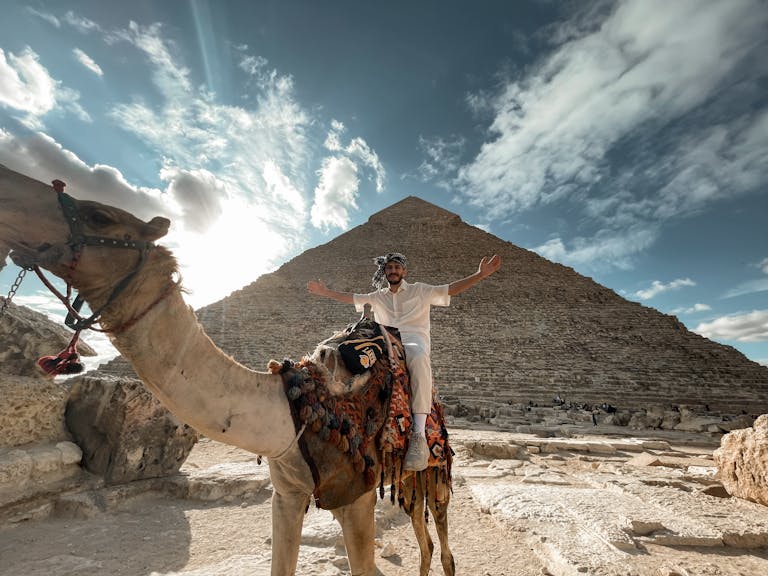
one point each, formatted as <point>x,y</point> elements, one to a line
<point>329,359</point>
<point>36,230</point>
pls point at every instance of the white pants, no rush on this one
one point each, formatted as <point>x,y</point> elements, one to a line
<point>420,368</point>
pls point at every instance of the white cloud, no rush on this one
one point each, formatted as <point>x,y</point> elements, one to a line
<point>259,152</point>
<point>333,139</point>
<point>634,75</point>
<point>692,309</point>
<point>169,77</point>
<point>719,162</point>
<point>81,23</point>
<point>648,61</point>
<point>282,192</point>
<point>748,287</point>
<point>25,84</point>
<point>750,327</point>
<point>335,194</point>
<point>658,287</point>
<point>253,65</point>
<point>40,157</point>
<point>606,246</point>
<point>199,194</point>
<point>88,62</point>
<point>443,156</point>
<point>47,16</point>
<point>45,302</point>
<point>751,286</point>
<point>357,150</point>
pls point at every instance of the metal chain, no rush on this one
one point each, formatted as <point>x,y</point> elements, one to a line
<point>12,291</point>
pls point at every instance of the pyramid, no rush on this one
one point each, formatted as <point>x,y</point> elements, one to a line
<point>533,330</point>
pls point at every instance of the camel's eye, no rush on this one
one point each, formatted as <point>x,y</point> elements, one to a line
<point>100,219</point>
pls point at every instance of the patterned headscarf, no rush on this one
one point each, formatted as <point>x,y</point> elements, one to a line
<point>379,279</point>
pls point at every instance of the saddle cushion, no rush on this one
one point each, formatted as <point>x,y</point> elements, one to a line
<point>359,354</point>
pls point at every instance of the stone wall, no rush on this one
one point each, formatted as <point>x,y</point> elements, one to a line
<point>534,330</point>
<point>124,431</point>
<point>31,411</point>
<point>37,455</point>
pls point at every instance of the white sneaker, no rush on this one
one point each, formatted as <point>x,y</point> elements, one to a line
<point>417,457</point>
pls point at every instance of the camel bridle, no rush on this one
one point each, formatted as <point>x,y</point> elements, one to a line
<point>78,241</point>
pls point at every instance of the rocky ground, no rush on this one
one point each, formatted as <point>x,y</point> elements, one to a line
<point>523,504</point>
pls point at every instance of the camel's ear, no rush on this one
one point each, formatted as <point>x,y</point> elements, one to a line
<point>156,228</point>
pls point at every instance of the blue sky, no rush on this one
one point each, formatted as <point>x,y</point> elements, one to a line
<point>626,139</point>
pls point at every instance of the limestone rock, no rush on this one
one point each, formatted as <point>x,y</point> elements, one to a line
<point>36,469</point>
<point>698,423</point>
<point>388,551</point>
<point>32,410</point>
<point>642,420</point>
<point>493,449</point>
<point>225,482</point>
<point>670,420</point>
<point>26,335</point>
<point>737,422</point>
<point>124,432</point>
<point>644,459</point>
<point>742,462</point>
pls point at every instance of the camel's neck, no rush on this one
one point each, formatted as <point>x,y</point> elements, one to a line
<point>203,386</point>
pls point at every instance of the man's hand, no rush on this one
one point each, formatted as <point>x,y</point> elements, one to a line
<point>489,265</point>
<point>317,287</point>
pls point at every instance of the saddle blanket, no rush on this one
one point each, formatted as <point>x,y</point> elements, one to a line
<point>353,440</point>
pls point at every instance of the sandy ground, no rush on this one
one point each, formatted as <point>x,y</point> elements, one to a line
<point>153,533</point>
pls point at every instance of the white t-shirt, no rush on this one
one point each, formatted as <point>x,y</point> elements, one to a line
<point>407,309</point>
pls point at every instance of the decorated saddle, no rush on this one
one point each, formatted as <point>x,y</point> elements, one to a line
<point>354,425</point>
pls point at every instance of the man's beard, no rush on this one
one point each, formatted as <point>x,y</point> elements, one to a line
<point>397,281</point>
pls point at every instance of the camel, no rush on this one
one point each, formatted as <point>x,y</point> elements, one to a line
<point>158,333</point>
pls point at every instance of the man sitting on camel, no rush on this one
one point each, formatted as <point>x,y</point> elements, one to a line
<point>406,306</point>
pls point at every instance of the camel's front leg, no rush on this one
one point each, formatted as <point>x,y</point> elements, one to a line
<point>291,491</point>
<point>357,525</point>
<point>287,519</point>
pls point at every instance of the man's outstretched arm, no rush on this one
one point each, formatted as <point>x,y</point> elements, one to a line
<point>487,267</point>
<point>319,288</point>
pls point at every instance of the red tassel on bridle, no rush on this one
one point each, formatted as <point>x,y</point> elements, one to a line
<point>65,362</point>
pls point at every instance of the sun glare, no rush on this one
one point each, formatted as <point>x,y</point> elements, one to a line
<point>234,251</point>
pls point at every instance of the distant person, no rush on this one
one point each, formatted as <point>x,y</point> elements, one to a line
<point>406,306</point>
